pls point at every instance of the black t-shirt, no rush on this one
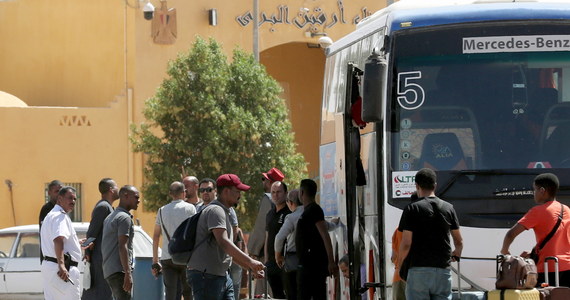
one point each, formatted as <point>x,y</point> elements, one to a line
<point>274,222</point>
<point>430,220</point>
<point>308,241</point>
<point>44,211</point>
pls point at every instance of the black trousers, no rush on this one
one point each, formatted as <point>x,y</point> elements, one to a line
<point>311,284</point>
<point>275,279</point>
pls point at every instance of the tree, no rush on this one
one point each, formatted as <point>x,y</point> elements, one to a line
<point>211,117</point>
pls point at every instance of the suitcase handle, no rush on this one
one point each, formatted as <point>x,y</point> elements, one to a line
<point>250,277</point>
<point>556,273</point>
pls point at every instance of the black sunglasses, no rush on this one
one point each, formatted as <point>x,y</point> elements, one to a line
<point>207,190</point>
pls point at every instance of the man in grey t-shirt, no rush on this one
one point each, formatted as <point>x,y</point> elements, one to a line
<point>168,218</point>
<point>117,244</point>
<point>212,256</point>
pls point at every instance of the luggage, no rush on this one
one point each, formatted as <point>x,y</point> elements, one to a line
<point>465,295</point>
<point>469,295</point>
<point>515,272</point>
<point>532,294</point>
<point>553,292</point>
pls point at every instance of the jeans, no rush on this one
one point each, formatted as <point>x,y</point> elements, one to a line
<point>210,287</point>
<point>174,278</point>
<point>425,283</point>
<point>116,283</point>
<point>236,272</point>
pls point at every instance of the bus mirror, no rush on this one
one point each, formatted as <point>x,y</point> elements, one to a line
<point>374,87</point>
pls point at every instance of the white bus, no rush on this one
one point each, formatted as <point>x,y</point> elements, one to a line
<point>478,91</point>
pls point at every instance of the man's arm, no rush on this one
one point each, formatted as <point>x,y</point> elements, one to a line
<point>58,245</point>
<point>265,247</point>
<point>323,230</point>
<point>458,242</point>
<point>155,242</point>
<point>96,226</point>
<point>125,263</point>
<point>286,229</point>
<point>241,258</point>
<point>405,246</point>
<point>510,237</point>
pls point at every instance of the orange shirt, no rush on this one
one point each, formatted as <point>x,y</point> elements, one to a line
<point>396,239</point>
<point>542,219</point>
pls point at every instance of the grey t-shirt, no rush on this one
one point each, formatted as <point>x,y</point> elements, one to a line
<point>118,223</point>
<point>209,257</point>
<point>172,214</point>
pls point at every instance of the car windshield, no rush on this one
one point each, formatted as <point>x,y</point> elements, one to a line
<point>6,243</point>
<point>29,245</point>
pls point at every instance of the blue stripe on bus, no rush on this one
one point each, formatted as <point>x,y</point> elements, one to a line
<point>478,12</point>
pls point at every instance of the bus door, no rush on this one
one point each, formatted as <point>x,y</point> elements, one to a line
<point>354,179</point>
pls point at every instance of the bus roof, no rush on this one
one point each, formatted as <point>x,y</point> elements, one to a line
<point>407,14</point>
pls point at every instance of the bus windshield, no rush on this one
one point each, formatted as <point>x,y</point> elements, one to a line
<point>481,98</point>
<point>483,110</point>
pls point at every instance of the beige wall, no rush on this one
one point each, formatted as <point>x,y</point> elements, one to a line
<point>83,54</point>
<point>299,69</point>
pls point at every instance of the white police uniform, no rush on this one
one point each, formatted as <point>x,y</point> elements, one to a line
<point>57,223</point>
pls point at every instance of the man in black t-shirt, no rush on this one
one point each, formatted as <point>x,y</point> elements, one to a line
<point>314,247</point>
<point>426,226</point>
<point>274,222</point>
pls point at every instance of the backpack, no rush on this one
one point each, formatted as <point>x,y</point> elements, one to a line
<point>183,241</point>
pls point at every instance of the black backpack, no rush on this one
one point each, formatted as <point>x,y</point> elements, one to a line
<point>183,241</point>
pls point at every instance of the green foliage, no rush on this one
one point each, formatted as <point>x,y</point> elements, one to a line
<point>213,117</point>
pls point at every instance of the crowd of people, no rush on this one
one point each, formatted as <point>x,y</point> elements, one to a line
<point>296,263</point>
<point>289,245</point>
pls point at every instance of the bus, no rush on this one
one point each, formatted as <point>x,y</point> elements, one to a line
<point>479,91</point>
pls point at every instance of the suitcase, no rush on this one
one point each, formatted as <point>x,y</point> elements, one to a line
<point>553,292</point>
<point>469,295</point>
<point>531,294</point>
<point>465,295</point>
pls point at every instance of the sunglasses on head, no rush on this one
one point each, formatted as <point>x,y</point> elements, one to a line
<point>207,190</point>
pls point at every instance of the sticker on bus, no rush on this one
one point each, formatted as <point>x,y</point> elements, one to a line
<point>522,43</point>
<point>403,184</point>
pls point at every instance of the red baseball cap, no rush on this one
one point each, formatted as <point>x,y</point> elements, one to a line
<point>274,175</point>
<point>232,180</point>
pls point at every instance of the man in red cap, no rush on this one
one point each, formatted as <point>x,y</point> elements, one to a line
<point>256,242</point>
<point>208,267</point>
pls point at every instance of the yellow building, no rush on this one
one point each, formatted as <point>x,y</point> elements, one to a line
<point>75,74</point>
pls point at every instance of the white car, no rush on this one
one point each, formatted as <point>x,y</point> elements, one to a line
<point>20,275</point>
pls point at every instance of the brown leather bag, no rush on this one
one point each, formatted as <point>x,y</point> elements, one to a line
<point>515,272</point>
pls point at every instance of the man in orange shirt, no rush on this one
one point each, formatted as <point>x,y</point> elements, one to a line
<point>398,285</point>
<point>542,219</point>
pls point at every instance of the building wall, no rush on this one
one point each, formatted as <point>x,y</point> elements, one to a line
<point>98,60</point>
<point>39,144</point>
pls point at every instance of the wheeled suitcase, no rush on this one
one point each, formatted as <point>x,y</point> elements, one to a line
<point>465,295</point>
<point>469,295</point>
<point>553,292</point>
<point>531,294</point>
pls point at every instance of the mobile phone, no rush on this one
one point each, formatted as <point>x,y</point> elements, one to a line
<point>88,241</point>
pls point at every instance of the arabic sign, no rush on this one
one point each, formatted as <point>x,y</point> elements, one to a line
<point>310,18</point>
